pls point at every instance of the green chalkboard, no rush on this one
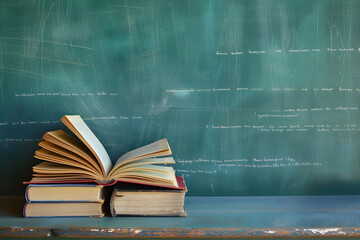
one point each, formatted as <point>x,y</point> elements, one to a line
<point>254,97</point>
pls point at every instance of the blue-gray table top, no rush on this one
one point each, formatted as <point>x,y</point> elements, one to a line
<point>278,216</point>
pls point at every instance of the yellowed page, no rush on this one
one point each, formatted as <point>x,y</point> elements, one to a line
<point>156,149</point>
<point>148,176</point>
<point>46,155</point>
<point>66,141</point>
<point>164,160</point>
<point>66,153</point>
<point>54,168</point>
<point>59,175</point>
<point>146,167</point>
<point>148,181</point>
<point>83,132</point>
<point>50,178</point>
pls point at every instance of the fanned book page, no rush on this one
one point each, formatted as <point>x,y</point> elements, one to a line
<point>158,148</point>
<point>67,159</point>
<point>83,132</point>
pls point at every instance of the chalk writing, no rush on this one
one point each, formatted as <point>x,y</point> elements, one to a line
<point>221,53</point>
<point>99,118</point>
<point>64,94</point>
<point>300,51</point>
<point>316,90</point>
<point>219,166</point>
<point>92,118</point>
<point>278,115</point>
<point>20,140</point>
<point>291,127</point>
<point>256,52</point>
<point>237,53</point>
<point>315,109</point>
<point>221,89</point>
<point>179,91</point>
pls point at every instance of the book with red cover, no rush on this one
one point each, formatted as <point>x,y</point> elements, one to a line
<point>67,159</point>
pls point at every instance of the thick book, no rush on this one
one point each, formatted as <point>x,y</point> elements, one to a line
<point>84,159</point>
<point>134,200</point>
<point>64,193</point>
<point>64,209</point>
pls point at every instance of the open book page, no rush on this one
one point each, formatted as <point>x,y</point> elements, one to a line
<point>145,178</point>
<point>68,154</point>
<point>49,156</point>
<point>148,167</point>
<point>64,140</point>
<point>47,169</point>
<point>163,160</point>
<point>83,132</point>
<point>158,148</point>
<point>153,174</point>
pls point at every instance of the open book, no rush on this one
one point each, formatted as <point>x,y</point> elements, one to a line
<point>67,159</point>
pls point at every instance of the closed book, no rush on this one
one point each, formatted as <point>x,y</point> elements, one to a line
<point>141,200</point>
<point>64,192</point>
<point>64,209</point>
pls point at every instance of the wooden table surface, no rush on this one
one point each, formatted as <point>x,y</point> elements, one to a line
<point>251,217</point>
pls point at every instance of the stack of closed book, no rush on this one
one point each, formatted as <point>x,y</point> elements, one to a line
<point>71,163</point>
<point>64,200</point>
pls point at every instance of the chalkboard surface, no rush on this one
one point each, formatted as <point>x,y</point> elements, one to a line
<point>254,97</point>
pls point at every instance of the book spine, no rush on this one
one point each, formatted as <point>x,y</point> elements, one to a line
<point>27,194</point>
<point>112,199</point>
<point>24,210</point>
<point>106,183</point>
